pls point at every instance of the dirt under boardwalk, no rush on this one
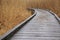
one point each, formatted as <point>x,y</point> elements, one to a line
<point>11,14</point>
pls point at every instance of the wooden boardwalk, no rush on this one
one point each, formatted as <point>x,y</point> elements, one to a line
<point>43,26</point>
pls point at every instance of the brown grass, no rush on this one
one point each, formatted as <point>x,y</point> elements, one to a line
<point>12,12</point>
<point>53,5</point>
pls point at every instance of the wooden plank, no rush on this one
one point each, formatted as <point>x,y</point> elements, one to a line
<point>43,26</point>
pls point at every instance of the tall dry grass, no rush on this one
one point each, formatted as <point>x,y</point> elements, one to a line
<point>53,5</point>
<point>13,11</point>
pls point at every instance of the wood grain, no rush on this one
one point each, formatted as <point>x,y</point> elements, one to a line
<point>43,26</point>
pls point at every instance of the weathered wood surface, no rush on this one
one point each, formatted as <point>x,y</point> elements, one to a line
<point>43,26</point>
